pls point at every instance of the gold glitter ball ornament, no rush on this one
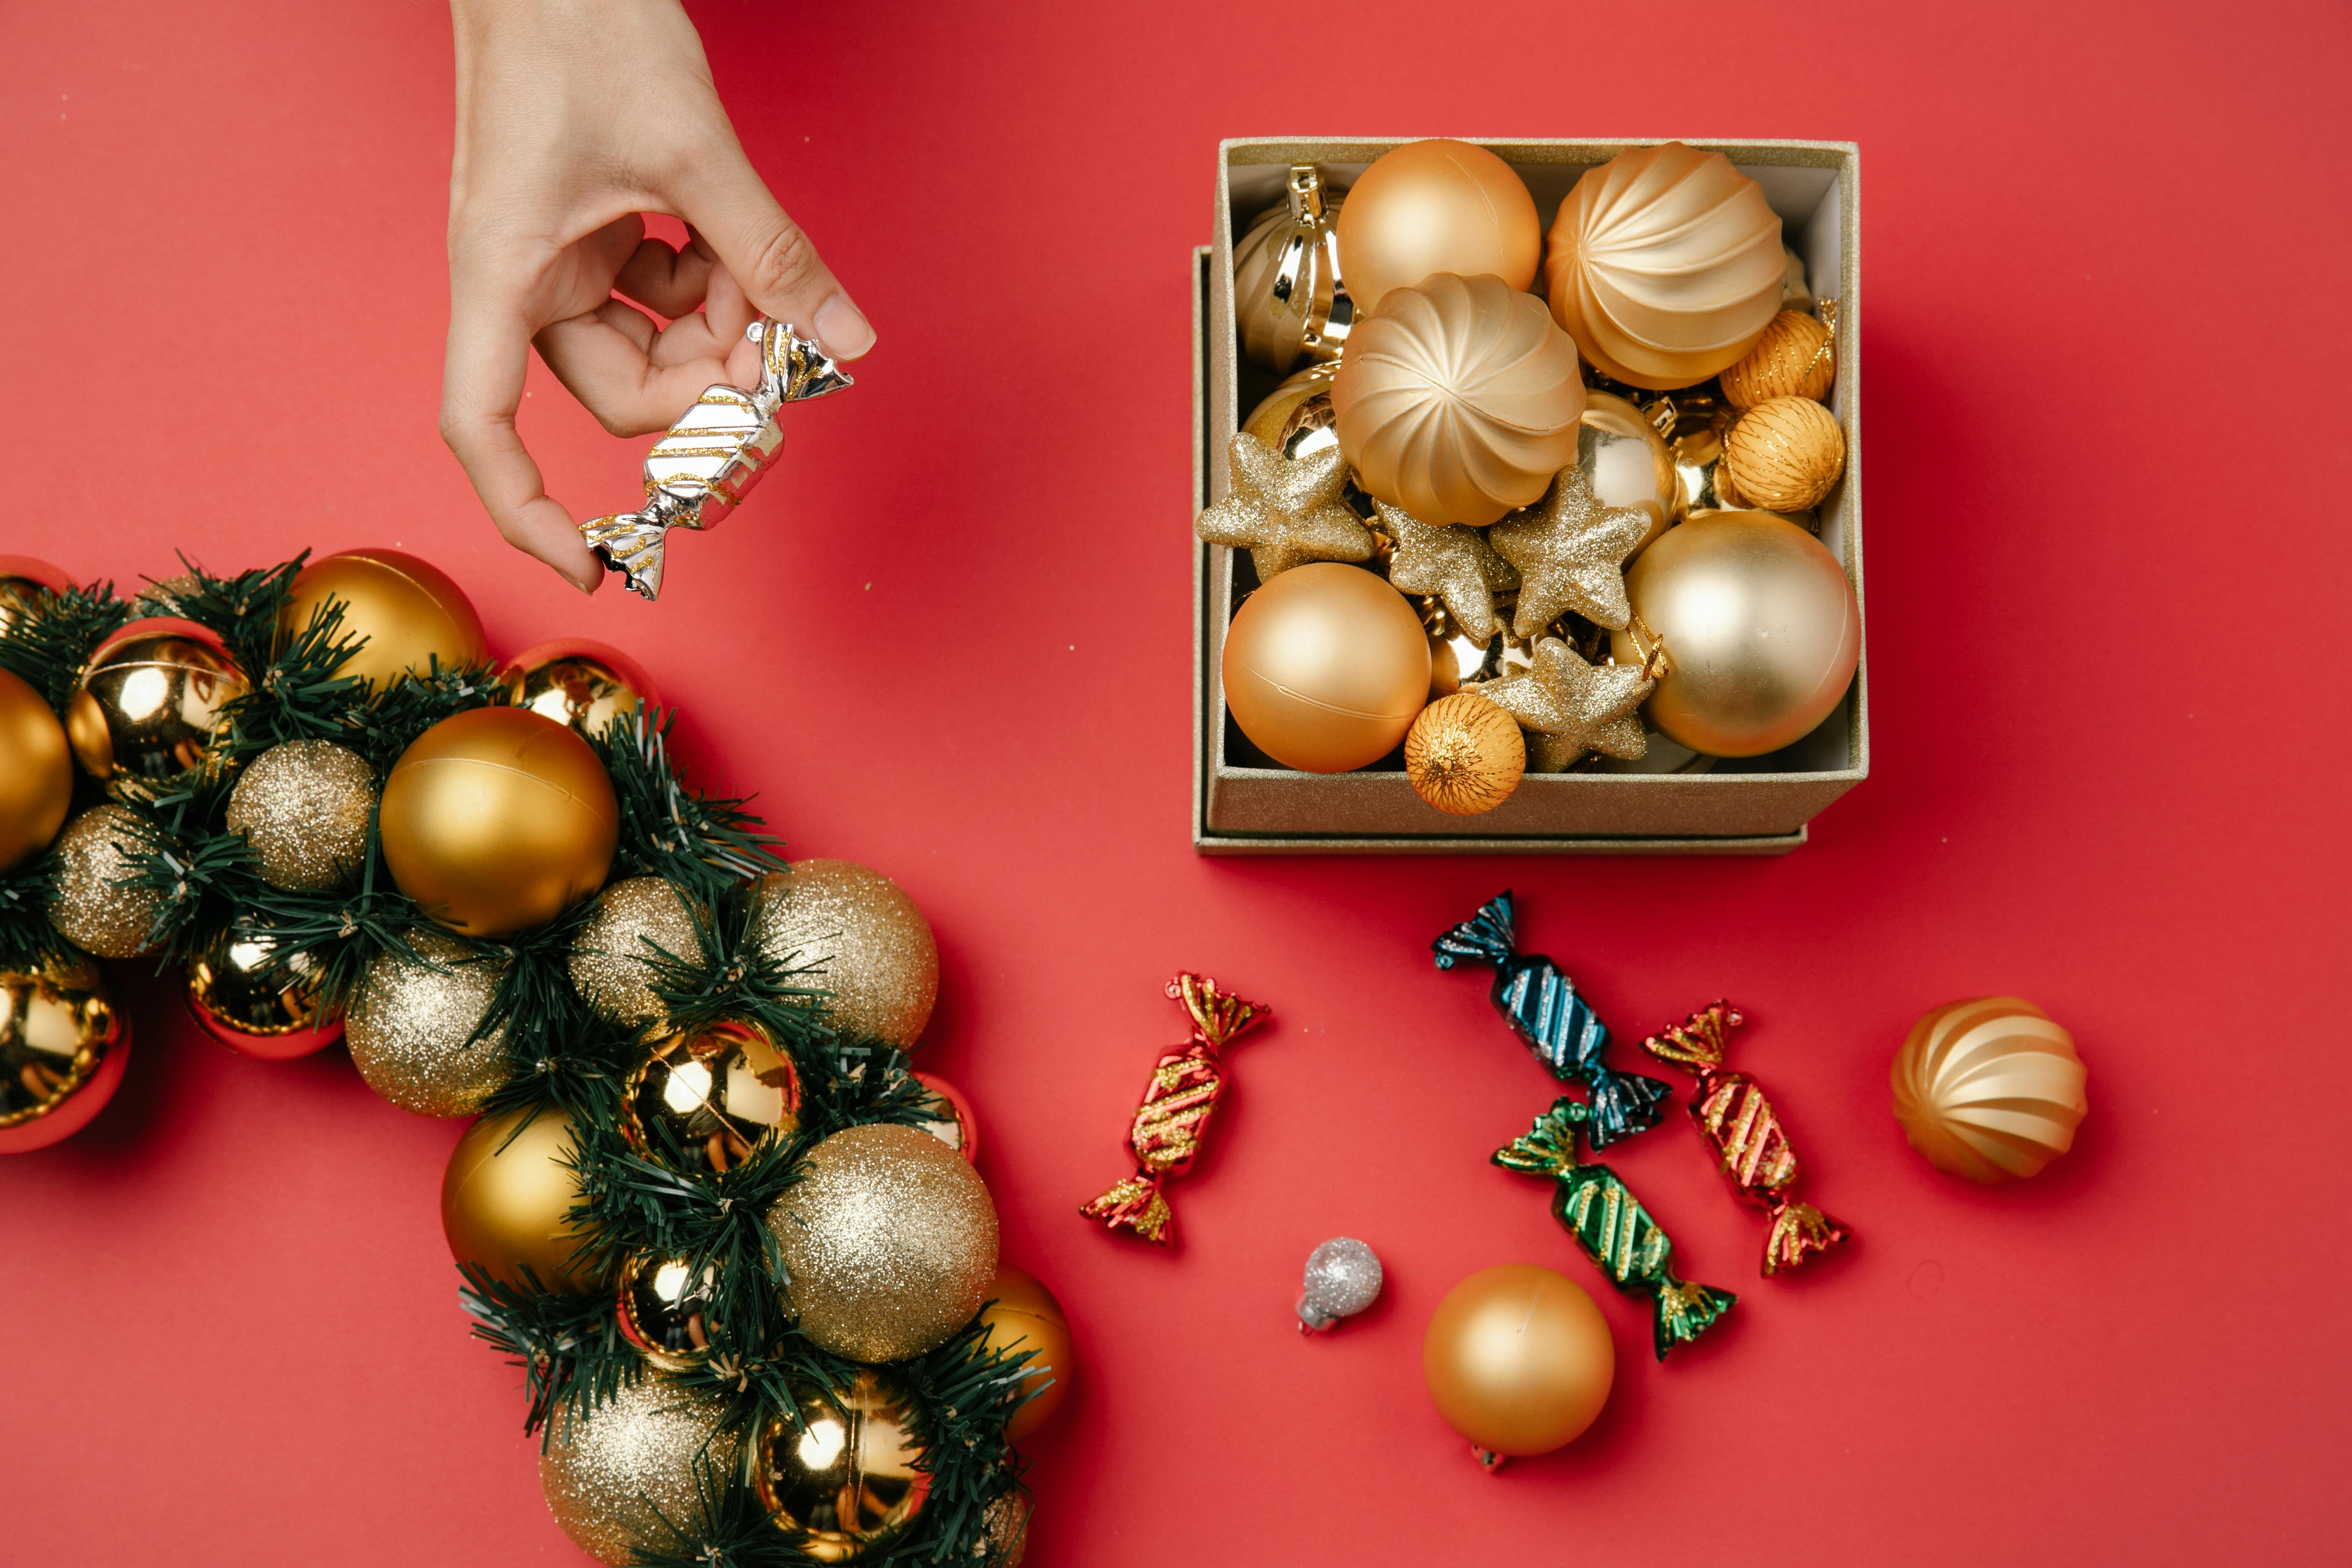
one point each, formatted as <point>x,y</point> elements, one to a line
<point>888,1242</point>
<point>1792,358</point>
<point>1785,453</point>
<point>843,1476</point>
<point>1285,511</point>
<point>1570,552</point>
<point>411,1027</point>
<point>665,1309</point>
<point>62,1050</point>
<point>89,903</point>
<point>245,997</point>
<point>151,709</point>
<point>868,943</point>
<point>410,611</point>
<point>303,807</point>
<point>703,1101</point>
<point>636,922</point>
<point>581,684</point>
<point>507,1199</point>
<point>1464,754</point>
<point>36,784</point>
<point>612,1479</point>
<point>1591,707</point>
<point>1990,1089</point>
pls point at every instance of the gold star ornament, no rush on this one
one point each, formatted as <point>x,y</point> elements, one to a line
<point>1570,553</point>
<point>1285,510</point>
<point>1591,707</point>
<point>1452,562</point>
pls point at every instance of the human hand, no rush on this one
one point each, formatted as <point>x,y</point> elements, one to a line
<point>574,118</point>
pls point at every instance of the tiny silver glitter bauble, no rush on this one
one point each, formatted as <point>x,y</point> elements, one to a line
<point>614,955</point>
<point>862,936</point>
<point>410,1028</point>
<point>1343,1278</point>
<point>888,1242</point>
<point>89,903</point>
<point>303,807</point>
<point>611,1478</point>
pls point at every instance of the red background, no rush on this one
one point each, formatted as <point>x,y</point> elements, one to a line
<point>2106,357</point>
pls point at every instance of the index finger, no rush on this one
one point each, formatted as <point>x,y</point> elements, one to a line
<point>481,388</point>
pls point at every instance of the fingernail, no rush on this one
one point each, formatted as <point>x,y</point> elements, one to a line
<point>841,330</point>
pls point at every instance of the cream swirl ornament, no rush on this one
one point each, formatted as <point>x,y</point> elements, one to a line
<point>1989,1089</point>
<point>1459,401</point>
<point>1666,266</point>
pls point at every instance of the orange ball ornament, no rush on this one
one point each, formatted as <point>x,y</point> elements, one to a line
<point>1989,1089</point>
<point>1325,668</point>
<point>1519,1360</point>
<point>1022,1315</point>
<point>37,784</point>
<point>1439,206</point>
<point>411,612</point>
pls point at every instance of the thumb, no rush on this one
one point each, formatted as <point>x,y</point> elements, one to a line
<point>770,255</point>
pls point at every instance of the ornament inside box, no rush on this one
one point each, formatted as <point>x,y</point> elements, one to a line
<point>1669,802</point>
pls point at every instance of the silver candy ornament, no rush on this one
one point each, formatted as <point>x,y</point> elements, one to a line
<point>1343,1278</point>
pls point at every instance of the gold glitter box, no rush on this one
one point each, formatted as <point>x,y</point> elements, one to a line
<point>1757,806</point>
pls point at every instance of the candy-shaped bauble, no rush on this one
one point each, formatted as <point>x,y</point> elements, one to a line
<point>869,946</point>
<point>1023,1316</point>
<point>412,1027</point>
<point>1989,1089</point>
<point>1438,206</point>
<point>850,1472</point>
<point>243,995</point>
<point>150,712</point>
<point>638,1461</point>
<point>1626,462</point>
<point>888,1242</point>
<point>706,1098</point>
<point>665,1309</point>
<point>638,924</point>
<point>579,683</point>
<point>1459,401</point>
<point>93,903</point>
<point>303,807</point>
<point>1465,755</point>
<point>1325,668</point>
<point>507,1197</point>
<point>498,820</point>
<point>949,1117</point>
<point>1289,297</point>
<point>62,1050</point>
<point>412,613</point>
<point>1518,1361</point>
<point>23,581</point>
<point>1785,453</point>
<point>1165,1135</point>
<point>1343,1278</point>
<point>1792,358</point>
<point>36,784</point>
<point>1760,631</point>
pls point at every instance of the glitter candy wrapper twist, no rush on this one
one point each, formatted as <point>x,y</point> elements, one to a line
<point>1615,1231</point>
<point>1731,1112</point>
<point>712,457</point>
<point>1540,1002</point>
<point>1174,1114</point>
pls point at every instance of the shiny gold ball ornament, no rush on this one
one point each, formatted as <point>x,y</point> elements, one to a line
<point>1792,358</point>
<point>1990,1089</point>
<point>303,807</point>
<point>507,1197</point>
<point>1325,668</point>
<point>1295,417</point>
<point>869,945</point>
<point>151,709</point>
<point>1459,401</point>
<point>706,1098</point>
<point>62,1050</point>
<point>612,1479</point>
<point>411,1027</point>
<point>637,923</point>
<point>1465,755</point>
<point>36,782</point>
<point>665,1309</point>
<point>1023,1316</point>
<point>410,611</point>
<point>1761,632</point>
<point>1785,453</point>
<point>1289,297</point>
<point>92,903</point>
<point>888,1242</point>
<point>1519,1360</point>
<point>1666,266</point>
<point>23,580</point>
<point>1438,206</point>
<point>950,1117</point>
<point>579,683</point>
<point>843,1468</point>
<point>498,819</point>
<point>1626,462</point>
<point>244,996</point>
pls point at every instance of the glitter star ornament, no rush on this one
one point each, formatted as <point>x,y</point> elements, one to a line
<point>1570,552</point>
<point>1285,511</point>
<point>1587,706</point>
<point>1452,562</point>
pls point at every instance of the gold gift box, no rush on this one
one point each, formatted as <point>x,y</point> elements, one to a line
<point>1757,806</point>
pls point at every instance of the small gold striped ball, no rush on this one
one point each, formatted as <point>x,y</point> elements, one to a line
<point>1792,358</point>
<point>1464,754</point>
<point>1785,453</point>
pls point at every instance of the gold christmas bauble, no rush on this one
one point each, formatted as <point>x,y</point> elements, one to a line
<point>1785,453</point>
<point>1439,206</point>
<point>411,1027</point>
<point>498,820</point>
<point>1021,1316</point>
<point>506,1197</point>
<point>845,1471</point>
<point>23,580</point>
<point>1296,418</point>
<point>1519,1360</point>
<point>1006,1527</point>
<point>62,1051</point>
<point>149,714</point>
<point>888,1241</point>
<point>1792,358</point>
<point>705,1099</point>
<point>410,612</point>
<point>637,922</point>
<point>950,1118</point>
<point>637,1460</point>
<point>255,1005</point>
<point>303,807</point>
<point>1465,755</point>
<point>1760,627</point>
<point>37,784</point>
<point>91,903</point>
<point>581,684</point>
<point>1314,316</point>
<point>1990,1089</point>
<point>869,945</point>
<point>665,1309</point>
<point>1325,668</point>
<point>1628,463</point>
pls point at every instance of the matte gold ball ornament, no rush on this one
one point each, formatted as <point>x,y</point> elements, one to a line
<point>303,807</point>
<point>1785,453</point>
<point>243,995</point>
<point>579,683</point>
<point>92,903</point>
<point>1792,358</point>
<point>841,1471</point>
<point>612,1479</point>
<point>706,1098</point>
<point>1464,756</point>
<point>507,1197</point>
<point>1436,206</point>
<point>868,944</point>
<point>1518,1361</point>
<point>1023,1316</point>
<point>151,709</point>
<point>63,1047</point>
<point>1990,1089</point>
<point>1325,668</point>
<point>37,783</point>
<point>411,1027</point>
<point>638,924</point>
<point>410,611</point>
